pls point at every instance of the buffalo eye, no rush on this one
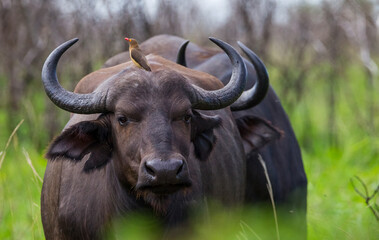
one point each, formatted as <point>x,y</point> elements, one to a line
<point>187,118</point>
<point>122,120</point>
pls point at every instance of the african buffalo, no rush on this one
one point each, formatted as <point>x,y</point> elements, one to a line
<point>164,140</point>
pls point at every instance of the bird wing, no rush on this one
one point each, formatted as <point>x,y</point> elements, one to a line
<point>138,57</point>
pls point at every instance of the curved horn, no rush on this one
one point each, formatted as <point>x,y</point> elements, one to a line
<point>181,57</point>
<point>257,93</point>
<point>212,100</point>
<point>69,101</point>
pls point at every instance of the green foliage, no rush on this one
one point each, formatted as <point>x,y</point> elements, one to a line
<point>335,211</point>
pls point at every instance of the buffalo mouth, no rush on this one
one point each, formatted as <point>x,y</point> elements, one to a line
<point>165,189</point>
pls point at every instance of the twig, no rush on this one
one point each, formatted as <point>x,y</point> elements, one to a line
<point>366,196</point>
<point>356,189</point>
<point>269,187</point>
<point>375,192</point>
<point>8,142</point>
<point>31,164</point>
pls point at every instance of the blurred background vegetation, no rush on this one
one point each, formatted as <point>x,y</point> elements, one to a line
<point>322,57</point>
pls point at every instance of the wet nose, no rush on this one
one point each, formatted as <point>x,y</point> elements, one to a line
<point>167,171</point>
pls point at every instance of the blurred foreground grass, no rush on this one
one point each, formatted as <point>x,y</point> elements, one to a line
<point>335,211</point>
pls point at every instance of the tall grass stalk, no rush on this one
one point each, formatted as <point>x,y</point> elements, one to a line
<point>269,188</point>
<point>31,164</point>
<point>8,142</point>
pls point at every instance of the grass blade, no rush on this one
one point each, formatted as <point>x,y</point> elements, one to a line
<point>9,141</point>
<point>269,187</point>
<point>31,164</point>
<point>243,226</point>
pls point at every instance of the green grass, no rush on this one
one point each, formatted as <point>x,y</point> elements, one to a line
<point>335,210</point>
<point>20,195</point>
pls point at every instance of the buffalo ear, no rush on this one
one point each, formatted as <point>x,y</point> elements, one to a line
<point>202,134</point>
<point>256,132</point>
<point>92,137</point>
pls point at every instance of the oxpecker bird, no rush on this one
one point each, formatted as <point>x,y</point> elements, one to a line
<point>136,55</point>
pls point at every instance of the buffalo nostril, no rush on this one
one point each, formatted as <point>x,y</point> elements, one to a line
<point>149,169</point>
<point>180,168</point>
